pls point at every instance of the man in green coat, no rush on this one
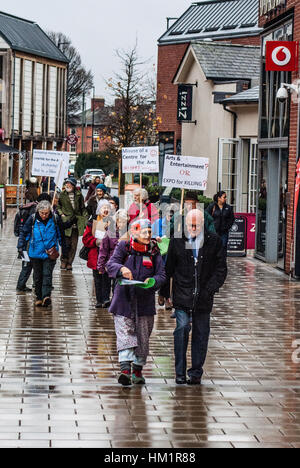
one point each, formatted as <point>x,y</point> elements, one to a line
<point>71,205</point>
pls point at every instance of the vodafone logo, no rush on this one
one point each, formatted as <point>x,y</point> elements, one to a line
<point>281,56</point>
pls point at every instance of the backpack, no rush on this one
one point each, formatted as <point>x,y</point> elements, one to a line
<point>21,218</point>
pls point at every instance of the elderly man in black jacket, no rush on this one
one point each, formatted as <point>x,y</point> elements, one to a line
<point>198,267</point>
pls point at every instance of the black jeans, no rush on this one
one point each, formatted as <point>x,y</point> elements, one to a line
<point>200,338</point>
<point>42,275</point>
<point>24,275</point>
<point>102,286</point>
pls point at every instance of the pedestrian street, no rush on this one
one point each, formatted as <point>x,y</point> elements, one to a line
<point>59,367</point>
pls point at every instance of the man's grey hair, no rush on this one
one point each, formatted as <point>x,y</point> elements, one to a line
<point>43,206</point>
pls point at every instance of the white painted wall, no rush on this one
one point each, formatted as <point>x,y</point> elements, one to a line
<point>27,103</point>
<point>38,98</point>
<point>52,99</point>
<point>17,94</point>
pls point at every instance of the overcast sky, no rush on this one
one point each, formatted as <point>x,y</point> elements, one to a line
<point>99,27</point>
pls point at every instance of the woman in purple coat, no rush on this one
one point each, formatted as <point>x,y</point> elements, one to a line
<point>134,308</point>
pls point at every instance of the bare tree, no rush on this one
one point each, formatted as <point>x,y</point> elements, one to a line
<point>80,80</point>
<point>132,119</point>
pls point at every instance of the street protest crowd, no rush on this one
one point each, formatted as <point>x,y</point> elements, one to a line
<point>177,252</point>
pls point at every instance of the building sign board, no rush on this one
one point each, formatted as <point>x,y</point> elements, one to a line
<point>185,103</point>
<point>268,5</point>
<point>185,172</point>
<point>140,160</point>
<point>282,56</point>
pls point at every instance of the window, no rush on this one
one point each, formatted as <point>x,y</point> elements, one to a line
<point>96,146</point>
<point>1,89</point>
<point>275,116</point>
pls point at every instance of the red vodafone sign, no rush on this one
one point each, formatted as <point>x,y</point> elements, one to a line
<point>282,56</point>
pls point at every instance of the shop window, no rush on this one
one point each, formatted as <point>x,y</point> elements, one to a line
<point>274,118</point>
<point>1,89</point>
<point>262,204</point>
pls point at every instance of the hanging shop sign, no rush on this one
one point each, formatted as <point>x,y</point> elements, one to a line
<point>282,55</point>
<point>140,160</point>
<point>185,103</point>
<point>72,139</point>
<point>185,172</point>
<point>267,6</point>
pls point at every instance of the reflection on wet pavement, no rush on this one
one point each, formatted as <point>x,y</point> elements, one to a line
<point>58,368</point>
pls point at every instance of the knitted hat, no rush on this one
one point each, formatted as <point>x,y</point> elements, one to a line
<point>72,181</point>
<point>102,187</point>
<point>140,224</point>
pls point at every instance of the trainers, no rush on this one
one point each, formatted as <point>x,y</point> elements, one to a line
<point>125,379</point>
<point>137,378</point>
<point>25,290</point>
<point>169,305</point>
<point>38,303</point>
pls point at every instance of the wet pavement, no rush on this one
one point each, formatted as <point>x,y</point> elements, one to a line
<point>58,368</point>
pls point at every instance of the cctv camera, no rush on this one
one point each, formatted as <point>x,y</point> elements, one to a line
<point>282,94</point>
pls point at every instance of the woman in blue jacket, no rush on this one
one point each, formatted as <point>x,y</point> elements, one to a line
<point>43,232</point>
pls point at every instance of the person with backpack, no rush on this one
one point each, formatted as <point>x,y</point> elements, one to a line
<point>20,219</point>
<point>133,307</point>
<point>43,231</point>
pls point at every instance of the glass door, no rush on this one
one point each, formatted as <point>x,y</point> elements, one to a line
<point>282,208</point>
<point>229,169</point>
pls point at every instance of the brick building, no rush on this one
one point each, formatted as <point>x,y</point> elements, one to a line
<point>278,145</point>
<point>33,83</point>
<point>88,126</point>
<point>218,20</point>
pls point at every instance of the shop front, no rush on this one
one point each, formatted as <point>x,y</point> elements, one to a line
<point>274,194</point>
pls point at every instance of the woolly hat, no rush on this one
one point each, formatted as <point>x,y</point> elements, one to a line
<point>140,224</point>
<point>72,181</point>
<point>102,187</point>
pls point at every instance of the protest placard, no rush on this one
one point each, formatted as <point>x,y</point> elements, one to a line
<point>185,172</point>
<point>47,163</point>
<point>140,160</point>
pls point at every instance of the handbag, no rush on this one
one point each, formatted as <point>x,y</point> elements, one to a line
<point>52,253</point>
<point>84,253</point>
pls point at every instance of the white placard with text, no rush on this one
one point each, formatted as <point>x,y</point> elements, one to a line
<point>185,172</point>
<point>140,160</point>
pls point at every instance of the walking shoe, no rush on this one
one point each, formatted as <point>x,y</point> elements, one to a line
<point>137,378</point>
<point>169,305</point>
<point>125,379</point>
<point>161,301</point>
<point>69,268</point>
<point>106,305</point>
<point>46,302</point>
<point>38,303</point>
<point>25,290</point>
<point>99,305</point>
<point>181,381</point>
<point>194,381</point>
<point>63,266</point>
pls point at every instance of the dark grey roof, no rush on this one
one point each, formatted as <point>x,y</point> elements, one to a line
<point>100,117</point>
<point>216,19</point>
<point>26,36</point>
<point>220,60</point>
<point>249,96</point>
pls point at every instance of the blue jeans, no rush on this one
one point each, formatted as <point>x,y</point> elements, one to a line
<point>201,331</point>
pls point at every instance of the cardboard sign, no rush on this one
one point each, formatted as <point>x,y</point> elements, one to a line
<point>185,172</point>
<point>47,163</point>
<point>140,160</point>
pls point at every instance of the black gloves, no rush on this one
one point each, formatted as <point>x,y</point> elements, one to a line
<point>20,254</point>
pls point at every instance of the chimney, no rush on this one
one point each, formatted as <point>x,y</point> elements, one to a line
<point>97,103</point>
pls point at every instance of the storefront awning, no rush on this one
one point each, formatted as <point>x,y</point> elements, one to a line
<point>7,149</point>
